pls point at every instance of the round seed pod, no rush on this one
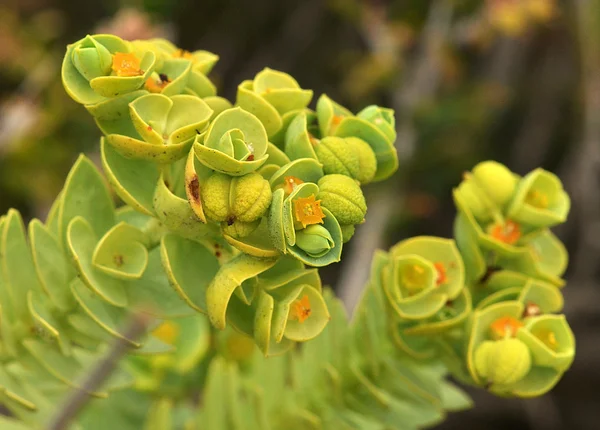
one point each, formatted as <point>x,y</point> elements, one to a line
<point>343,197</point>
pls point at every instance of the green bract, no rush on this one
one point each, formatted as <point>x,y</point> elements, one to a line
<point>160,128</point>
<point>291,215</point>
<point>235,143</point>
<point>374,125</point>
<point>500,226</point>
<point>274,98</point>
<point>225,207</point>
<point>92,68</point>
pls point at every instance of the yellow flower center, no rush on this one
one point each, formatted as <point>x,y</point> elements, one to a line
<point>537,199</point>
<point>505,327</point>
<point>290,184</point>
<point>126,64</point>
<point>308,211</point>
<point>414,278</point>
<point>168,332</point>
<point>508,232</point>
<point>300,309</point>
<point>548,337</point>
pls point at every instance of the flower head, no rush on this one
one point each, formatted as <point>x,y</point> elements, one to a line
<point>301,309</point>
<point>509,232</point>
<point>126,64</point>
<point>308,211</point>
<point>505,327</point>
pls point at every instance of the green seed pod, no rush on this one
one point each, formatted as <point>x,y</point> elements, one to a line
<point>503,362</point>
<point>239,229</point>
<point>337,157</point>
<point>347,232</point>
<point>343,197</point>
<point>497,182</point>
<point>230,199</point>
<point>315,240</point>
<point>367,162</point>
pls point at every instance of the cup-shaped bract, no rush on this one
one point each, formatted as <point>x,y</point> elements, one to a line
<point>374,125</point>
<point>160,128</point>
<point>277,302</point>
<point>515,348</point>
<point>422,275</point>
<point>235,143</point>
<point>237,202</point>
<point>490,231</point>
<point>104,66</point>
<point>274,98</point>
<point>301,227</point>
<point>178,71</point>
<point>540,200</point>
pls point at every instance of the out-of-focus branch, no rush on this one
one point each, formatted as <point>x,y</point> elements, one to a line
<point>99,374</point>
<point>419,82</point>
<point>585,168</point>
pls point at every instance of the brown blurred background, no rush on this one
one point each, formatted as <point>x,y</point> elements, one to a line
<point>517,81</point>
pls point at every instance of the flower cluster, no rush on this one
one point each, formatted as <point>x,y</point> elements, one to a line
<point>486,302</point>
<point>276,185</point>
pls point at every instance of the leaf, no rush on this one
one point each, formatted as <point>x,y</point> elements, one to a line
<point>124,173</point>
<point>85,194</point>
<point>81,245</point>
<point>190,267</point>
<point>53,269</point>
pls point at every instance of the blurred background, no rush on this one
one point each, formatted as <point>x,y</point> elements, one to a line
<point>517,81</point>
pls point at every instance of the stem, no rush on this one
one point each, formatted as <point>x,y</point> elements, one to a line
<point>155,230</point>
<point>99,374</point>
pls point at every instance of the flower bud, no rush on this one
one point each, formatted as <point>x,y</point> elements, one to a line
<point>92,59</point>
<point>502,362</point>
<point>315,240</point>
<point>497,182</point>
<point>235,199</point>
<point>343,197</point>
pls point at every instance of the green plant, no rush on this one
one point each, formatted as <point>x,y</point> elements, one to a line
<point>229,212</point>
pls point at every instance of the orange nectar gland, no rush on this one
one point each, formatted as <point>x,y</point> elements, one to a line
<point>290,183</point>
<point>505,327</point>
<point>156,85</point>
<point>308,211</point>
<point>442,278</point>
<point>300,309</point>
<point>126,64</point>
<point>508,233</point>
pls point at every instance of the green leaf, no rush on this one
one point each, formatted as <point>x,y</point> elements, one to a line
<point>81,244</point>
<point>85,194</point>
<point>229,277</point>
<point>52,266</point>
<point>17,267</point>
<point>190,280</point>
<point>124,173</point>
<point>109,318</point>
<point>153,293</point>
<point>122,252</point>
